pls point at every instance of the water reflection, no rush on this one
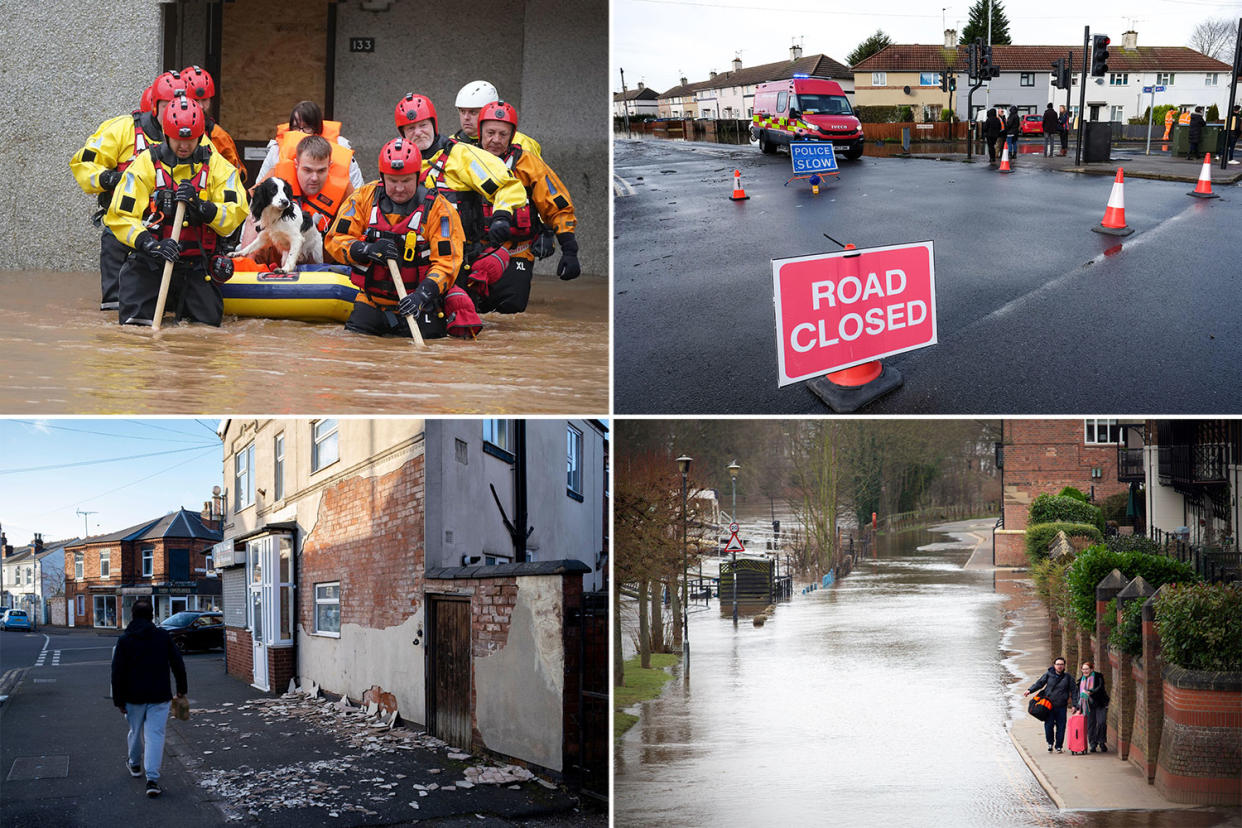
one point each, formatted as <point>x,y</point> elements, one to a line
<point>61,355</point>
<point>883,700</point>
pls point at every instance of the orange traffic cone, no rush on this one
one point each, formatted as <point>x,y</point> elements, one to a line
<point>738,193</point>
<point>1204,188</point>
<point>1004,167</point>
<point>1114,223</point>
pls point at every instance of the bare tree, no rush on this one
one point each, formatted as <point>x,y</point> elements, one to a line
<point>1215,38</point>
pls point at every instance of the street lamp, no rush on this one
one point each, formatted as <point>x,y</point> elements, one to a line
<point>734,468</point>
<point>683,463</point>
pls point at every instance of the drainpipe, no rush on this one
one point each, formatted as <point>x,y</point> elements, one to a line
<point>519,491</point>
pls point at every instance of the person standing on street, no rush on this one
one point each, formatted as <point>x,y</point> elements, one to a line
<point>1235,129</point>
<point>1013,126</point>
<point>1057,686</point>
<point>140,665</point>
<point>1052,126</point>
<point>1063,128</point>
<point>992,131</point>
<point>1195,134</point>
<point>1092,701</point>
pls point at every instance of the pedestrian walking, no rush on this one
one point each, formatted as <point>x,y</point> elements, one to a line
<point>1052,126</point>
<point>1063,128</point>
<point>140,689</point>
<point>993,129</point>
<point>1091,700</point>
<point>1013,127</point>
<point>1057,686</point>
<point>1195,133</point>
<point>1235,129</point>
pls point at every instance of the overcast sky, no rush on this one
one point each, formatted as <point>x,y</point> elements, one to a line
<point>50,470</point>
<point>658,41</point>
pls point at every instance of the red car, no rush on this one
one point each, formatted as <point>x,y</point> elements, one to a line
<point>1032,124</point>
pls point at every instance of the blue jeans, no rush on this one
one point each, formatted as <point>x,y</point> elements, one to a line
<point>146,724</point>
<point>1012,141</point>
<point>1057,719</point>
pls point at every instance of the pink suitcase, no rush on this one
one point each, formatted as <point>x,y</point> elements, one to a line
<point>1076,733</point>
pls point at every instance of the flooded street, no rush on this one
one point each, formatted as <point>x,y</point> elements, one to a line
<point>63,356</point>
<point>883,700</point>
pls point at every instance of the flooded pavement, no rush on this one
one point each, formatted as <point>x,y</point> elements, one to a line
<point>64,356</point>
<point>884,700</point>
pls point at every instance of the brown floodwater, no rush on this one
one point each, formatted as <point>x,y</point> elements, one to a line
<point>61,355</point>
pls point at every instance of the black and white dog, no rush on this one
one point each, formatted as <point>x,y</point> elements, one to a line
<point>282,226</point>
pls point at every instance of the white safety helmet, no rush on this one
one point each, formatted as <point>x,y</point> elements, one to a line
<point>476,95</point>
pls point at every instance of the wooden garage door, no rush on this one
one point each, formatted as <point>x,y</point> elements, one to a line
<point>448,679</point>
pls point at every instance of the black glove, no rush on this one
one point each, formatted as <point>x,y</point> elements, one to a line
<point>221,268</point>
<point>544,245</point>
<point>376,251</point>
<point>197,211</point>
<point>425,294</point>
<point>498,231</point>
<point>108,179</point>
<point>568,267</point>
<point>165,249</point>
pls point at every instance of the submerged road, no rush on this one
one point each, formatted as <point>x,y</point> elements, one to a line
<point>1036,313</point>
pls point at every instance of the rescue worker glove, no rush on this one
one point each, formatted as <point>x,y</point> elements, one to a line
<point>108,179</point>
<point>165,249</point>
<point>377,251</point>
<point>221,268</point>
<point>487,270</point>
<point>568,267</point>
<point>544,245</point>
<point>197,211</point>
<point>423,296</point>
<point>498,231</point>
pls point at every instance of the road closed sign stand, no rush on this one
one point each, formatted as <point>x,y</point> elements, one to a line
<point>839,314</point>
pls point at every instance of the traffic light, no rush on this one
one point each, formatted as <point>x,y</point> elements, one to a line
<point>944,82</point>
<point>972,60</point>
<point>952,84</point>
<point>986,68</point>
<point>1099,55</point>
<point>1058,69</point>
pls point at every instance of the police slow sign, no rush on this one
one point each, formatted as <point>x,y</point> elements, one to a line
<point>837,310</point>
<point>811,157</point>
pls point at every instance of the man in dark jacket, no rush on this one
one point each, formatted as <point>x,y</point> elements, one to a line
<point>992,129</point>
<point>1063,127</point>
<point>1058,687</point>
<point>1052,125</point>
<point>1194,133</point>
<point>1013,127</point>
<point>140,665</point>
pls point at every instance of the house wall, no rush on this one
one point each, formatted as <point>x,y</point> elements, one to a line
<point>564,527</point>
<point>893,92</point>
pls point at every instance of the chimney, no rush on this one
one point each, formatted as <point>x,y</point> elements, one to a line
<point>641,86</point>
<point>38,543</point>
<point>950,38</point>
<point>1129,40</point>
<point>737,64</point>
<point>684,82</point>
<point>712,74</point>
<point>795,52</point>
<point>4,545</point>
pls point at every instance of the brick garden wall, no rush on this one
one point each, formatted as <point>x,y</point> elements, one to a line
<point>1201,744</point>
<point>239,654</point>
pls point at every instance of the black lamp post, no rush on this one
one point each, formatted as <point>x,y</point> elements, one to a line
<point>734,468</point>
<point>683,463</point>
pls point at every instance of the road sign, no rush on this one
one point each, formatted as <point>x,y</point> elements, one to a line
<point>1149,89</point>
<point>733,527</point>
<point>837,310</point>
<point>734,545</point>
<point>811,157</point>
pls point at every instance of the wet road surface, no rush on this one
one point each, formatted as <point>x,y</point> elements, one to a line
<point>1036,313</point>
<point>63,356</point>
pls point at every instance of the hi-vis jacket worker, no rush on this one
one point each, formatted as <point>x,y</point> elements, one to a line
<point>497,126</point>
<point>185,168</point>
<point>400,219</point>
<point>98,167</point>
<point>470,102</point>
<point>200,87</point>
<point>466,175</point>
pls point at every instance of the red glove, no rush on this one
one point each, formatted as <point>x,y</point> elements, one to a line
<point>487,270</point>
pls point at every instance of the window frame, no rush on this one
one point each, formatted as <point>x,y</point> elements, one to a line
<point>934,78</point>
<point>1118,78</point>
<point>573,462</point>
<point>1211,79</point>
<point>79,568</point>
<point>1117,112</point>
<point>327,602</point>
<point>243,478</point>
<point>1026,79</point>
<point>498,443</point>
<point>318,441</point>
<point>105,557</point>
<point>1165,78</point>
<point>148,561</point>
<point>278,467</point>
<point>879,78</point>
<point>1108,425</point>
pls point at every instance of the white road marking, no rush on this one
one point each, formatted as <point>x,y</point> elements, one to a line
<point>620,187</point>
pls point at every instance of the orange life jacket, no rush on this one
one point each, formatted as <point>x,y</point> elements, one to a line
<point>324,204</point>
<point>331,131</point>
<point>415,264</point>
<point>523,229</point>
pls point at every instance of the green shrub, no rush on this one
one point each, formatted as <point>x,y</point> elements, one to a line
<point>1052,508</point>
<point>877,114</point>
<point>1049,578</point>
<point>1200,626</point>
<point>1114,508</point>
<point>1110,616</point>
<point>1093,563</point>
<point>1128,635</point>
<point>1212,115</point>
<point>905,115</point>
<point>1133,543</point>
<point>947,114</point>
<point>1070,491</point>
<point>1041,534</point>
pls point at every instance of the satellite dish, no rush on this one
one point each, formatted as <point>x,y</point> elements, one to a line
<point>905,89</point>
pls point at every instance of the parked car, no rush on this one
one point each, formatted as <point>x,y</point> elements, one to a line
<point>1032,124</point>
<point>16,619</point>
<point>194,630</point>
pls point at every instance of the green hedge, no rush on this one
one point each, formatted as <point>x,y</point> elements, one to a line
<point>878,114</point>
<point>1200,626</point>
<point>1070,491</point>
<point>1090,567</point>
<point>1128,635</point>
<point>1052,508</point>
<point>1041,534</point>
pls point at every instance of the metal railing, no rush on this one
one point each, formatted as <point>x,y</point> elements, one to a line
<point>1215,563</point>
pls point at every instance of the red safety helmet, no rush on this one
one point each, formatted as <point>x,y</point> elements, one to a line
<point>167,87</point>
<point>183,118</point>
<point>400,157</point>
<point>414,108</point>
<point>145,104</point>
<point>498,111</point>
<point>198,83</point>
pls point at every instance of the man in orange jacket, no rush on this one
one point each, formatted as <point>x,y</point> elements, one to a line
<point>399,219</point>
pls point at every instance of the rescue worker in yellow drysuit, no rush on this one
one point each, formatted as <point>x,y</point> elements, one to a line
<point>470,102</point>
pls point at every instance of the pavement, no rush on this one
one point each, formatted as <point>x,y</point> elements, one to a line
<point>243,758</point>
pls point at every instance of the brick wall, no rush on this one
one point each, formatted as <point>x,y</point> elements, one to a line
<point>239,654</point>
<point>490,613</point>
<point>281,667</point>
<point>1200,757</point>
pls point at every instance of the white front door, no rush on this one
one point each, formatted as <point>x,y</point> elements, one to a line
<point>256,637</point>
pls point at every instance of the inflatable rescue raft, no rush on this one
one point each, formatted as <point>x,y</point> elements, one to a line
<point>310,293</point>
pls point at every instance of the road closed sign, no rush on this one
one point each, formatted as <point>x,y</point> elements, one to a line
<point>837,310</point>
<point>811,157</point>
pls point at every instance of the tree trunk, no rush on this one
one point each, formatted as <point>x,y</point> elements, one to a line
<point>676,612</point>
<point>618,660</point>
<point>657,619</point>
<point>644,635</point>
